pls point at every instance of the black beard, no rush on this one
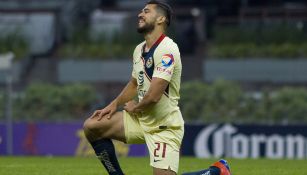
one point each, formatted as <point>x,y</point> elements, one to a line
<point>146,29</point>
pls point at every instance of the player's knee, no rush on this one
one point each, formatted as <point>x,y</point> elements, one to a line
<point>169,172</point>
<point>94,129</point>
<point>86,128</point>
<point>89,125</point>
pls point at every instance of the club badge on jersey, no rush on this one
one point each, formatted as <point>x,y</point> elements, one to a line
<point>149,62</point>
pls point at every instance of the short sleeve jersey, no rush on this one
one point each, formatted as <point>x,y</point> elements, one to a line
<point>161,61</point>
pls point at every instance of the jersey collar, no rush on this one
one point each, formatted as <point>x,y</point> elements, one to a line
<point>159,40</point>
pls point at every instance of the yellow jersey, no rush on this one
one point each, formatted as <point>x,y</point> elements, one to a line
<point>161,61</point>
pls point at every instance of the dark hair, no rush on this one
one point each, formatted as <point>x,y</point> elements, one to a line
<point>165,8</point>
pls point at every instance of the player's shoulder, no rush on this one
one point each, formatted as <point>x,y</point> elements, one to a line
<point>168,43</point>
<point>167,46</point>
<point>139,46</point>
<point>138,49</point>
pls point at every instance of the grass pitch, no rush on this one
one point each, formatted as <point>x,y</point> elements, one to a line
<point>140,166</point>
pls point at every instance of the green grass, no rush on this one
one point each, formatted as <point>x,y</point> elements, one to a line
<point>140,166</point>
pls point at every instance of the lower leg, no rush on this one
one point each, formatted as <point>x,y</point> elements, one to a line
<point>105,152</point>
<point>98,133</point>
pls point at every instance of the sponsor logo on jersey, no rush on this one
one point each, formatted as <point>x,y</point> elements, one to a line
<point>167,60</point>
<point>141,93</point>
<point>149,62</point>
<point>163,69</point>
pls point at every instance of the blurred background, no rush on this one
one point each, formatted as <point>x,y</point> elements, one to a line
<point>244,74</point>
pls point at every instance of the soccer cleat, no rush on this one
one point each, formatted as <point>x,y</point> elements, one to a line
<point>223,166</point>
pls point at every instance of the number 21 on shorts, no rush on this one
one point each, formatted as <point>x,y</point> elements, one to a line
<point>160,149</point>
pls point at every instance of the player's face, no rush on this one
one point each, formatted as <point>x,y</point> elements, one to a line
<point>147,19</point>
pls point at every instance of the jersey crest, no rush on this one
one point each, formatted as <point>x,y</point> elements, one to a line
<point>149,62</point>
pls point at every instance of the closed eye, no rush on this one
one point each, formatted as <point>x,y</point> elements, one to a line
<point>145,10</point>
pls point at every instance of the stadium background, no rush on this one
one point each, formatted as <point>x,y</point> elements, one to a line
<point>244,89</point>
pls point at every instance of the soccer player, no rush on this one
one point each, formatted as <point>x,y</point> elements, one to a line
<point>155,118</point>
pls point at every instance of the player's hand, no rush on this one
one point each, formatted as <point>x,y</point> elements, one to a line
<point>107,111</point>
<point>130,107</point>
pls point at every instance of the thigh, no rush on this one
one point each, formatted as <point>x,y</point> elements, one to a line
<point>164,150</point>
<point>133,132</point>
<point>157,171</point>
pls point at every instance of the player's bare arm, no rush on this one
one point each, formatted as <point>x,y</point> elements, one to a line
<point>155,91</point>
<point>127,94</point>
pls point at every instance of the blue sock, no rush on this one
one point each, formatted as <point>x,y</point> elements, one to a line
<point>211,171</point>
<point>105,152</point>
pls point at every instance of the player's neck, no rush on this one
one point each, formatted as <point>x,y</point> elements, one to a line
<point>151,38</point>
